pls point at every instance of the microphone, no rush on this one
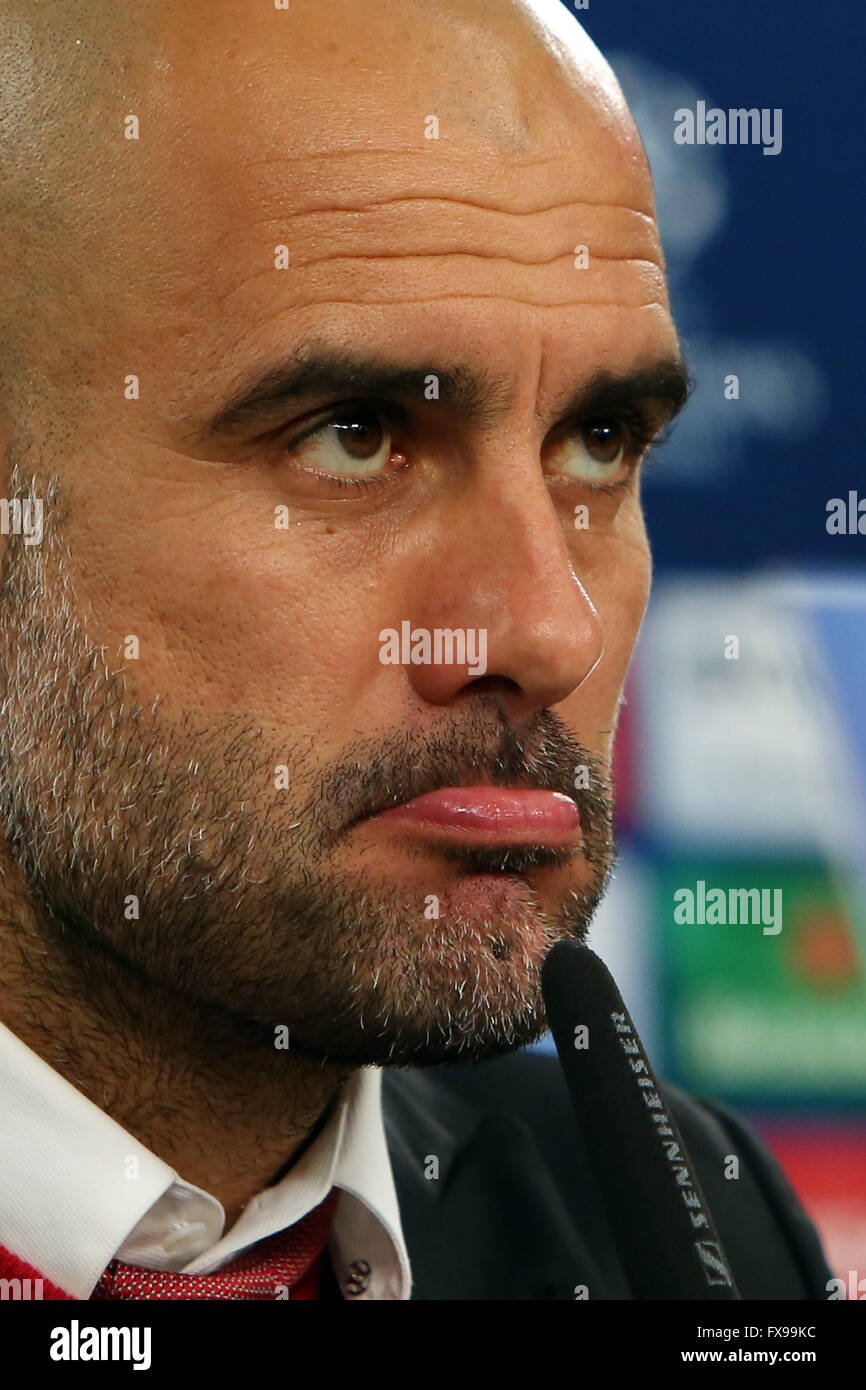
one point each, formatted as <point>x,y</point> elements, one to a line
<point>663,1228</point>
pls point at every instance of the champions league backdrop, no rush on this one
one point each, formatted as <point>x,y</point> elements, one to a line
<point>736,924</point>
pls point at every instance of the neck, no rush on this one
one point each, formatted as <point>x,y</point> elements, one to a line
<point>203,1089</point>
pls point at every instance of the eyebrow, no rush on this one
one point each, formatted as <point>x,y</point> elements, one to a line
<point>313,375</point>
<point>667,380</point>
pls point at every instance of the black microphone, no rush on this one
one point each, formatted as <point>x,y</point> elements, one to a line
<point>659,1216</point>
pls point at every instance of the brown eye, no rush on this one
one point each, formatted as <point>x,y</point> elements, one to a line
<point>360,434</point>
<point>593,453</point>
<point>348,443</point>
<point>604,442</point>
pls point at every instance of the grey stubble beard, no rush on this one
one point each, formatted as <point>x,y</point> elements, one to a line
<point>246,919</point>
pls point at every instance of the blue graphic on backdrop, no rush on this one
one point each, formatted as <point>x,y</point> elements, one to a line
<point>780,388</point>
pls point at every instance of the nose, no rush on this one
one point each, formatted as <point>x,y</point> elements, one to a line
<point>503,572</point>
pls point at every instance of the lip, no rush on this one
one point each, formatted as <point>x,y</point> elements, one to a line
<point>487,815</point>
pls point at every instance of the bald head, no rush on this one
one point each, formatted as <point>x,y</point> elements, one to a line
<point>136,141</point>
<point>64,77</point>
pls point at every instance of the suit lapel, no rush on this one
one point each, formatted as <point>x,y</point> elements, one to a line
<point>491,1223</point>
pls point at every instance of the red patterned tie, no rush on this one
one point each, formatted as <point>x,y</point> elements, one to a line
<point>289,1260</point>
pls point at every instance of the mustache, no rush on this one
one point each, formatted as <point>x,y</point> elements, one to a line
<point>483,747</point>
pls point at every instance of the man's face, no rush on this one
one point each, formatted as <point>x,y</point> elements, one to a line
<point>459,452</point>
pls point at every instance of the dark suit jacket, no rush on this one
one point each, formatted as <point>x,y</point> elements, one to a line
<point>514,1212</point>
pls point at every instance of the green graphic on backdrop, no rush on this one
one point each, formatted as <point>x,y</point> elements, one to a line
<point>765,980</point>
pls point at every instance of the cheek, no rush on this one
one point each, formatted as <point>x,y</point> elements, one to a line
<point>236,617</point>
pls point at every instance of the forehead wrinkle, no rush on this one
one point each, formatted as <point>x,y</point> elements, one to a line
<point>421,194</point>
<point>353,241</point>
<point>374,203</point>
<point>461,251</point>
<point>491,227</point>
<point>507,298</point>
<point>447,178</point>
<point>374,297</point>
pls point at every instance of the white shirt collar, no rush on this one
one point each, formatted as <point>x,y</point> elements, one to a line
<point>76,1190</point>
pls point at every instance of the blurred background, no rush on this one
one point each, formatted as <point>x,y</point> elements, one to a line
<point>741,759</point>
